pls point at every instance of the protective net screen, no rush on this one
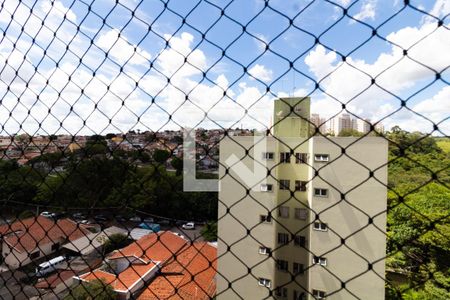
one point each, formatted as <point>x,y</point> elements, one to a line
<point>224,149</point>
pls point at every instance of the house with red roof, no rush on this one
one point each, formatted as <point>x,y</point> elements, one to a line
<point>31,239</point>
<point>160,266</point>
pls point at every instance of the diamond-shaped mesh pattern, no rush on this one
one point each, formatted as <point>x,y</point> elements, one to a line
<point>323,124</point>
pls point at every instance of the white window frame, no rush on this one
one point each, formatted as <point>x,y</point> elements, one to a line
<point>266,187</point>
<point>316,294</point>
<point>319,260</point>
<point>320,226</point>
<point>268,155</point>
<point>264,250</point>
<point>321,157</point>
<point>320,194</point>
<point>264,282</point>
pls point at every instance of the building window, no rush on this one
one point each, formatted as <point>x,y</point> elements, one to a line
<point>35,254</point>
<point>300,241</point>
<point>283,238</point>
<point>264,250</point>
<point>266,187</point>
<point>320,260</point>
<point>318,294</point>
<point>55,246</point>
<point>265,218</point>
<point>264,282</point>
<point>299,295</point>
<point>285,157</point>
<point>298,268</point>
<point>268,155</point>
<point>282,265</point>
<point>321,192</point>
<point>301,158</point>
<point>281,292</point>
<point>301,213</point>
<point>283,211</point>
<point>320,226</point>
<point>285,184</point>
<point>321,157</point>
<point>300,185</point>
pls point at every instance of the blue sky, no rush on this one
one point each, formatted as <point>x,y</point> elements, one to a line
<point>87,92</point>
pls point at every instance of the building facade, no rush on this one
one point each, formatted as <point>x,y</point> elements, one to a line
<point>314,228</point>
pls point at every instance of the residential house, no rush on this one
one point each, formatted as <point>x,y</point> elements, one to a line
<point>30,239</point>
<point>160,265</point>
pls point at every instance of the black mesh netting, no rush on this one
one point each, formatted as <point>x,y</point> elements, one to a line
<point>239,149</point>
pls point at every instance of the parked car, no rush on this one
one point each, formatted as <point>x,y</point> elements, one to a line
<point>121,218</point>
<point>148,220</point>
<point>48,214</point>
<point>59,215</point>
<point>188,225</point>
<point>100,218</point>
<point>79,216</point>
<point>135,219</point>
<point>164,222</point>
<point>150,226</point>
<point>51,265</point>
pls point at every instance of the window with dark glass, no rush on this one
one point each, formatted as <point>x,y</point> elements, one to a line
<point>300,185</point>
<point>297,268</point>
<point>301,158</point>
<point>283,238</point>
<point>285,157</point>
<point>282,265</point>
<point>285,184</point>
<point>299,240</point>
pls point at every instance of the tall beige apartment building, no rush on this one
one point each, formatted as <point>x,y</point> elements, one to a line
<point>313,225</point>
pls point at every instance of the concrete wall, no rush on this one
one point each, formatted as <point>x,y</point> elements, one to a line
<point>355,210</point>
<point>241,233</point>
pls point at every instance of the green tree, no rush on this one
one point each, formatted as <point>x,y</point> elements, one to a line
<point>209,231</point>
<point>161,156</point>
<point>177,164</point>
<point>116,241</point>
<point>95,289</point>
<point>350,132</point>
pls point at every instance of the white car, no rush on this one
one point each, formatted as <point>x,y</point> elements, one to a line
<point>48,214</point>
<point>189,225</point>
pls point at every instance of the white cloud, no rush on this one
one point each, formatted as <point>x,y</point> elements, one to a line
<point>441,8</point>
<point>344,3</point>
<point>179,60</point>
<point>261,72</point>
<point>121,49</point>
<point>58,9</point>
<point>368,11</point>
<point>402,76</point>
<point>436,108</point>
